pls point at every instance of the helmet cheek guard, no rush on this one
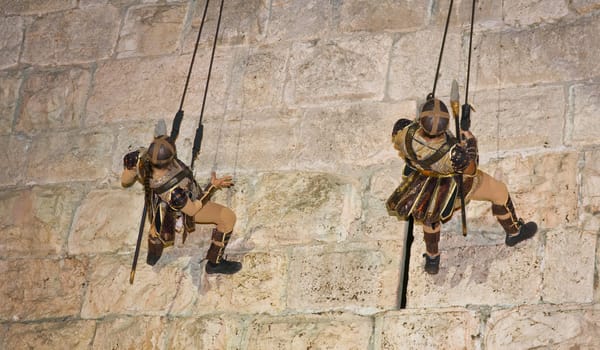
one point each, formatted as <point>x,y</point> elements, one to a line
<point>434,118</point>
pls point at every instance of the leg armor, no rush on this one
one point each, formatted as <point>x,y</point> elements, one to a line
<point>431,236</point>
<point>516,229</point>
<point>216,263</point>
<point>155,249</point>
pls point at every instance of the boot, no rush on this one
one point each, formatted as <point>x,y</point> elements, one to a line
<point>155,249</point>
<point>516,229</point>
<point>216,263</point>
<point>432,264</point>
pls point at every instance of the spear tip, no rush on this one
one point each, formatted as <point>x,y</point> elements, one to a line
<point>454,91</point>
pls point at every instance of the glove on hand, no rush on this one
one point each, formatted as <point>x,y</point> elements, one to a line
<point>130,160</point>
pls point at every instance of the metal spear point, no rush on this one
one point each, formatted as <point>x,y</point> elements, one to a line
<point>454,99</point>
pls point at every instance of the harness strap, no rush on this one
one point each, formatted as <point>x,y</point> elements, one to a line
<point>435,157</point>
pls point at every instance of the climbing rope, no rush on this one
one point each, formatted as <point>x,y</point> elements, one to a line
<point>437,71</point>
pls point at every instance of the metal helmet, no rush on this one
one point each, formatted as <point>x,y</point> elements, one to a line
<point>161,151</point>
<point>434,117</point>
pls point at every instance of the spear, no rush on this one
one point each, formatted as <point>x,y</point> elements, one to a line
<point>455,104</point>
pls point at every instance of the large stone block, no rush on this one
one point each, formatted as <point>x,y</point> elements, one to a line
<point>543,326</point>
<point>76,36</point>
<point>293,20</point>
<point>530,56</point>
<point>216,332</point>
<point>352,68</point>
<point>364,15</point>
<point>585,104</point>
<point>590,191</point>
<point>359,277</point>
<point>11,39</point>
<point>519,13</point>
<point>74,154</point>
<point>569,266</point>
<point>14,159</point>
<point>151,88</point>
<point>413,64</point>
<point>76,335</point>
<point>35,7</point>
<point>488,275</point>
<point>10,84</point>
<point>105,222</point>
<point>36,220</point>
<point>131,333</point>
<point>151,30</point>
<point>511,119</point>
<point>433,329</point>
<point>41,288</point>
<point>53,100</point>
<point>328,331</point>
<point>488,14</point>
<point>585,6</point>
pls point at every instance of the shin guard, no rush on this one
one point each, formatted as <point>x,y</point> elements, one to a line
<point>217,246</point>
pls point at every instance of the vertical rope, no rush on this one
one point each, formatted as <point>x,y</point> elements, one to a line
<point>437,71</point>
<point>470,51</point>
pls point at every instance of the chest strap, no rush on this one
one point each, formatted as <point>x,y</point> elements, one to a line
<point>435,157</point>
<point>184,173</point>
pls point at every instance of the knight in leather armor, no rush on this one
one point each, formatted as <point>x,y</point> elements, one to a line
<point>176,203</point>
<point>429,191</point>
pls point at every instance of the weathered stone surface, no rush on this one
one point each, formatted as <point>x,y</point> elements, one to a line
<point>360,277</point>
<point>258,288</point>
<point>77,36</point>
<point>511,119</point>
<point>11,38</point>
<point>9,89</point>
<point>488,14</point>
<point>74,155</point>
<point>35,220</point>
<point>590,188</point>
<point>488,275</point>
<point>544,326</point>
<point>151,88</point>
<point>329,331</point>
<point>586,102</point>
<point>311,19</point>
<point>151,30</point>
<point>352,68</point>
<point>433,329</point>
<point>318,207</point>
<point>14,159</point>
<point>364,15</point>
<point>131,333</point>
<point>105,222</point>
<point>526,13</point>
<point>223,332</point>
<point>53,100</point>
<point>568,257</point>
<point>412,65</point>
<point>585,6</point>
<point>35,7</point>
<point>160,290</point>
<point>41,288</point>
<point>531,56</point>
<point>76,335</point>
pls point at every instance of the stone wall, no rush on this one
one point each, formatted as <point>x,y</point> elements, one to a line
<point>301,103</point>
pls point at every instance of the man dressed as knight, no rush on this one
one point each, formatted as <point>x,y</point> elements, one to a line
<point>429,190</point>
<point>176,203</point>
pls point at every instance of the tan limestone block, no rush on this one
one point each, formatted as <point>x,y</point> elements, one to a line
<point>258,288</point>
<point>10,84</point>
<point>35,7</point>
<point>586,103</point>
<point>106,221</point>
<point>569,266</point>
<point>530,56</point>
<point>294,21</point>
<point>543,326</point>
<point>510,119</point>
<point>585,6</point>
<point>76,36</point>
<point>362,277</point>
<point>433,329</point>
<point>364,15</point>
<point>216,332</point>
<point>487,274</point>
<point>277,209</point>
<point>131,333</point>
<point>36,220</point>
<point>76,335</point>
<point>53,100</point>
<point>76,152</point>
<point>11,39</point>
<point>488,14</point>
<point>590,191</point>
<point>413,64</point>
<point>263,78</point>
<point>151,30</point>
<point>14,160</point>
<point>327,331</point>
<point>41,288</point>
<point>350,68</point>
<point>521,13</point>
<point>166,288</point>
